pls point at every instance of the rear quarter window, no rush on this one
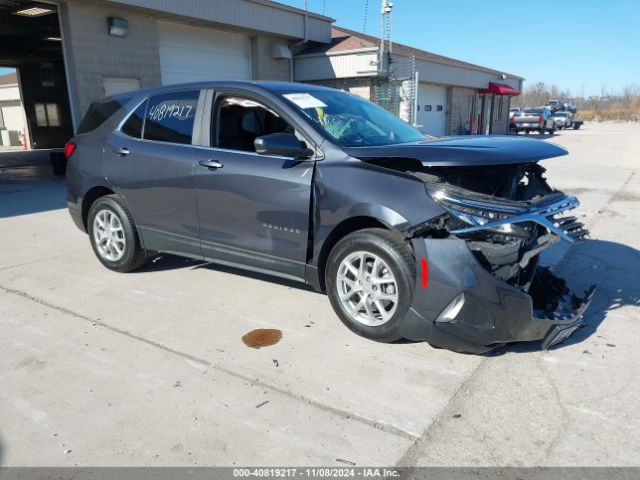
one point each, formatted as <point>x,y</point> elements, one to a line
<point>170,117</point>
<point>99,112</point>
<point>134,124</point>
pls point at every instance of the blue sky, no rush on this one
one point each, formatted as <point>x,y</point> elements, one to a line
<point>583,45</point>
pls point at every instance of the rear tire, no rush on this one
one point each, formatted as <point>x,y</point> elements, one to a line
<point>370,277</point>
<point>113,235</point>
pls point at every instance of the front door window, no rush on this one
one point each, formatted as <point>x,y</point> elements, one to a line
<point>240,121</point>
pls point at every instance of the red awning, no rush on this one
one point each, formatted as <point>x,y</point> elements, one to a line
<point>500,89</point>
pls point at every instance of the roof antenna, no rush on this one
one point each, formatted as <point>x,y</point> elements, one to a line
<point>366,14</point>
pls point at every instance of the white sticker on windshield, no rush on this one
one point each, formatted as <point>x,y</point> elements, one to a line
<point>304,100</point>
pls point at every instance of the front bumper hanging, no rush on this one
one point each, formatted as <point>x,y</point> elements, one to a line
<point>466,308</point>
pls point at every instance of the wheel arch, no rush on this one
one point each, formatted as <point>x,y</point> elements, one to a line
<point>341,230</point>
<point>93,194</point>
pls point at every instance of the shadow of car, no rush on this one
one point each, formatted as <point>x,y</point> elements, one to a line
<point>614,267</point>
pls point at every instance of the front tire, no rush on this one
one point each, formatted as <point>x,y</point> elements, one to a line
<point>370,277</point>
<point>113,235</point>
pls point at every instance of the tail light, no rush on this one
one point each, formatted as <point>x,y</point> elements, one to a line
<point>540,119</point>
<point>69,148</point>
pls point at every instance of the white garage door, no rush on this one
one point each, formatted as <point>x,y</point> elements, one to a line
<point>432,106</point>
<point>115,85</point>
<point>13,118</point>
<point>190,54</point>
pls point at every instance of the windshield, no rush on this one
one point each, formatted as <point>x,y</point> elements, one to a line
<point>351,121</point>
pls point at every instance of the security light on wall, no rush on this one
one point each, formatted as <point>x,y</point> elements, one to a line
<point>118,27</point>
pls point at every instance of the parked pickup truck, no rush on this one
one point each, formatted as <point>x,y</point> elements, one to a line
<point>538,119</point>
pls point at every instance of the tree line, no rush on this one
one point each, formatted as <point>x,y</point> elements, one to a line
<point>620,105</point>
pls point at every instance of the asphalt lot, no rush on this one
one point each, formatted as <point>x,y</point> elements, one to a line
<point>148,368</point>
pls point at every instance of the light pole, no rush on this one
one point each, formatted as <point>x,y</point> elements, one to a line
<point>385,16</point>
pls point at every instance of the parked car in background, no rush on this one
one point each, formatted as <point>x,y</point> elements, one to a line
<point>535,120</point>
<point>513,113</point>
<point>563,120</point>
<point>571,106</point>
<point>555,105</point>
<point>426,240</point>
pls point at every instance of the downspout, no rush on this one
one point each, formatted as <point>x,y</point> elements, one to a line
<point>305,39</point>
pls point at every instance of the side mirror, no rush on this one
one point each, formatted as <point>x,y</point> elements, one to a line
<point>283,145</point>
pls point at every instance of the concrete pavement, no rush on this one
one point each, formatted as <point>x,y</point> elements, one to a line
<point>148,368</point>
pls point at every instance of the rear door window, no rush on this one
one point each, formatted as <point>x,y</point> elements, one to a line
<point>170,117</point>
<point>134,124</point>
<point>99,112</point>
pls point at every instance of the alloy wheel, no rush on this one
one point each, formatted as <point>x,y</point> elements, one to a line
<point>108,234</point>
<point>367,288</point>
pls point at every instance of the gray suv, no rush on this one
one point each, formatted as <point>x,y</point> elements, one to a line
<point>427,240</point>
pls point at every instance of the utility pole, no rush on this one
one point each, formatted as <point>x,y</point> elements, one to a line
<point>385,34</point>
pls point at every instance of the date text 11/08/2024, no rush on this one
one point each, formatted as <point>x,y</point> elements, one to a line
<point>316,472</point>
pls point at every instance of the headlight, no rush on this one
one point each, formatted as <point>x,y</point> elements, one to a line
<point>468,213</point>
<point>473,216</point>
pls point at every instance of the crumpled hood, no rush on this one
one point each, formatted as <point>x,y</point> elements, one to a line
<point>465,151</point>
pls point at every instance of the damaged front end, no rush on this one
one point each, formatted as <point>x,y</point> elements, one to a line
<point>483,257</point>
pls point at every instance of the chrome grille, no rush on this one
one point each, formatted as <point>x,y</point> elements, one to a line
<point>549,216</point>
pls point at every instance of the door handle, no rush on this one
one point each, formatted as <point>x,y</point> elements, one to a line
<point>211,164</point>
<point>122,151</point>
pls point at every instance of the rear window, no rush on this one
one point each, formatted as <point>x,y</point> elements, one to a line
<point>170,117</point>
<point>99,112</point>
<point>533,110</point>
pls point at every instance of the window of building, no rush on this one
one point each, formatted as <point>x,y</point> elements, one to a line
<point>47,115</point>
<point>240,121</point>
<point>170,117</point>
<point>135,123</point>
<point>47,75</point>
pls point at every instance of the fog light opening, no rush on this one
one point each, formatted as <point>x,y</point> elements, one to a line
<point>452,310</point>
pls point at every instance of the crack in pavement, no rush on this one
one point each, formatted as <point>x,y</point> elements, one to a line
<point>32,262</point>
<point>408,458</point>
<point>385,427</point>
<point>563,411</point>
